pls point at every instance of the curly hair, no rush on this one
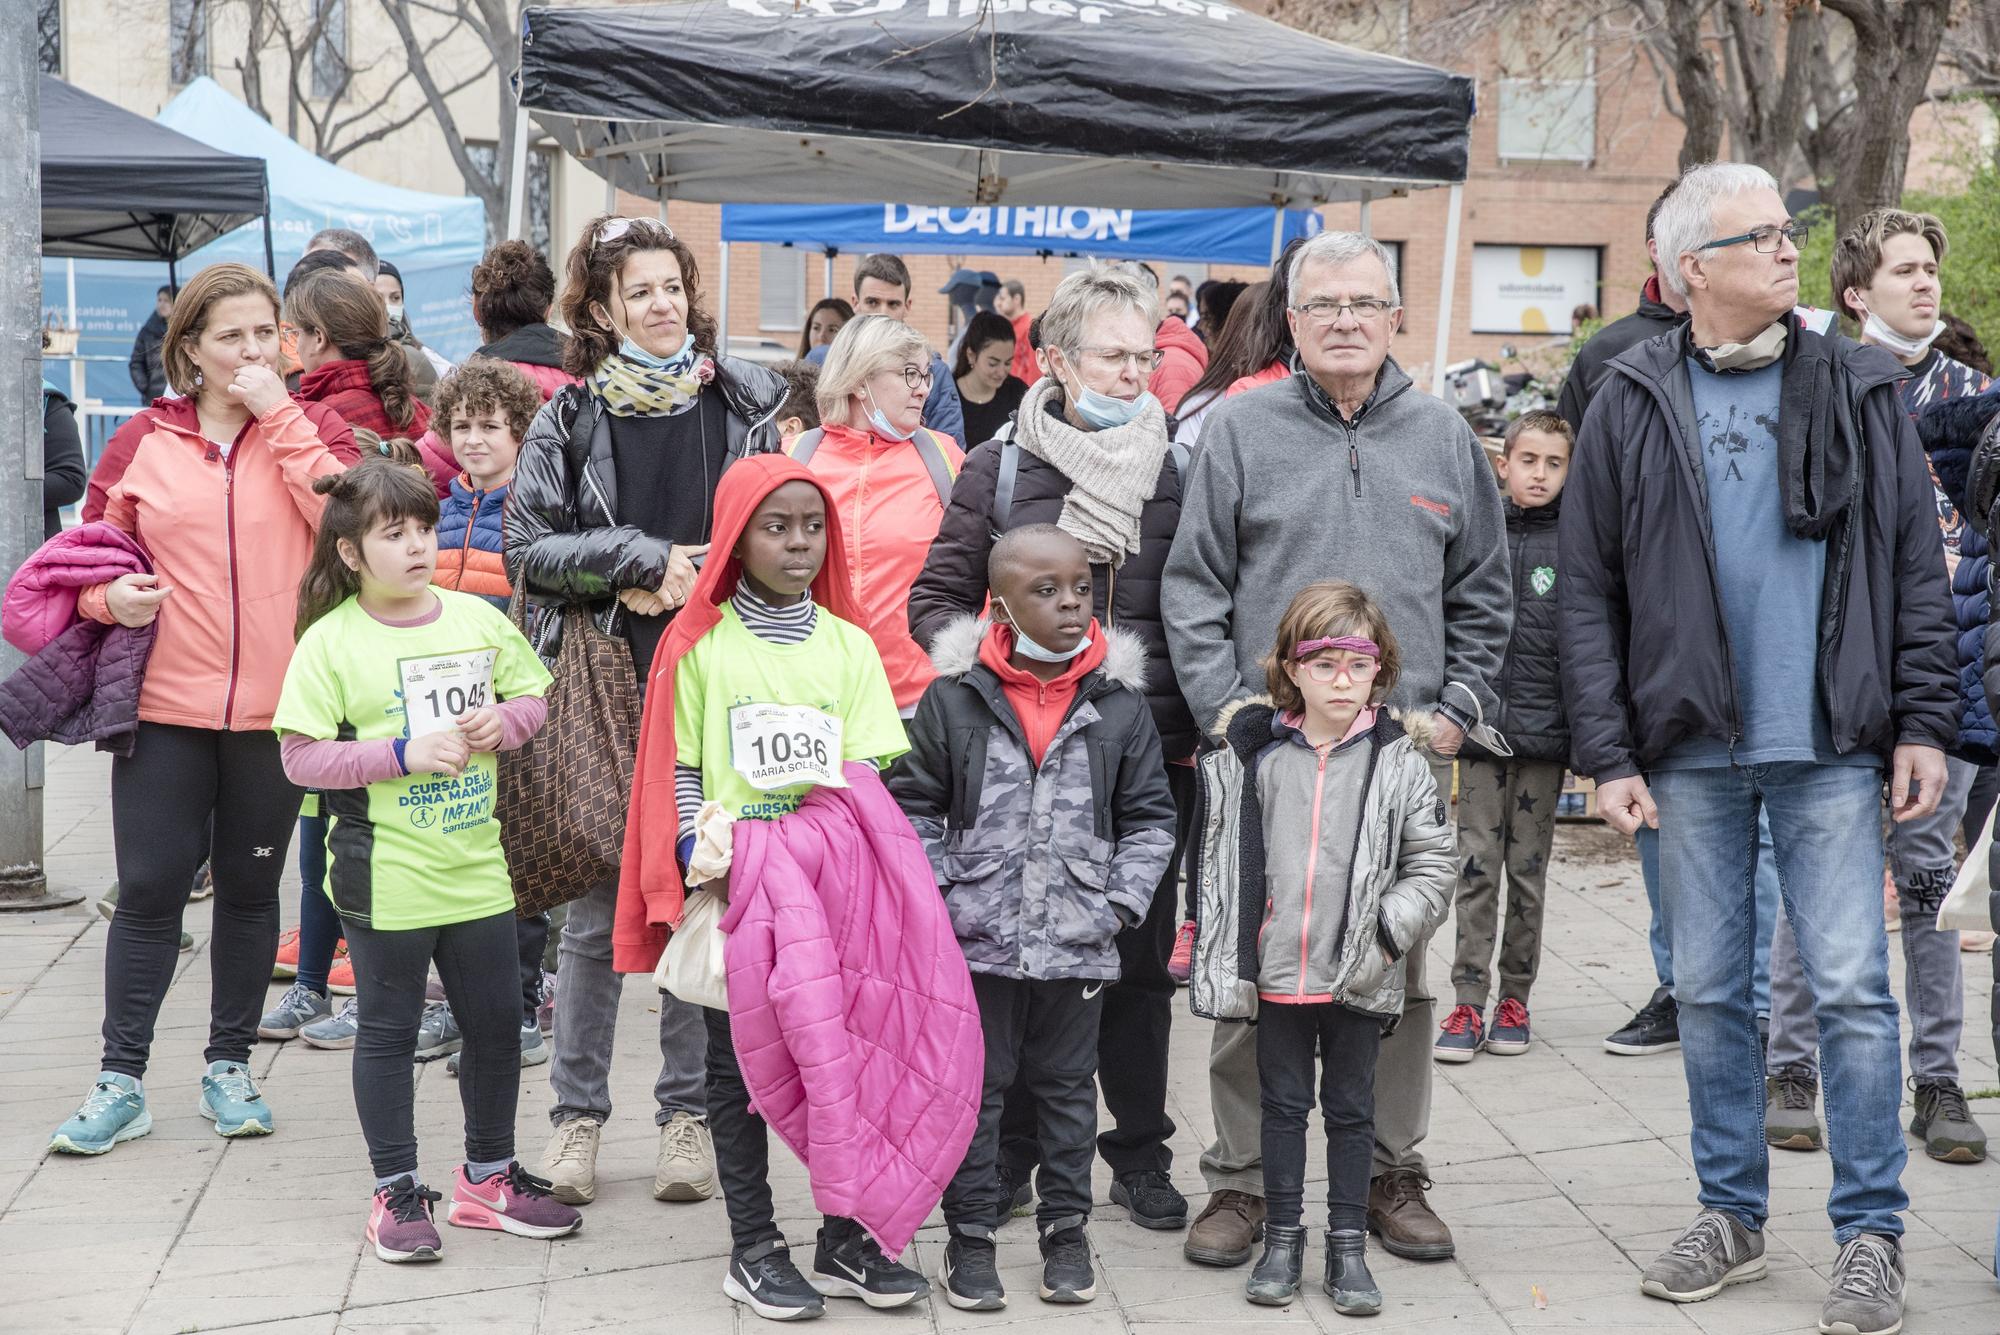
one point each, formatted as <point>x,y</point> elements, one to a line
<point>487,385</point>
<point>592,270</point>
<point>512,287</point>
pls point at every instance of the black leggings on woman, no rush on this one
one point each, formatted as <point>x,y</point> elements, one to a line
<point>477,961</point>
<point>163,797</point>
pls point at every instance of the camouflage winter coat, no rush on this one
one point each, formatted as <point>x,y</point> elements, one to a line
<point>1039,867</point>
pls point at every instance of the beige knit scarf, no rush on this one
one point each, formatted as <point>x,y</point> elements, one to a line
<point>1112,472</point>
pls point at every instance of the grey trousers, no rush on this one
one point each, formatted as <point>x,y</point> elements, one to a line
<point>1921,858</point>
<point>1506,823</point>
<point>1235,1161</point>
<point>587,996</point>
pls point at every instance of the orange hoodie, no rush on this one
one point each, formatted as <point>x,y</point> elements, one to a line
<point>231,536</point>
<point>1183,358</point>
<point>1041,706</point>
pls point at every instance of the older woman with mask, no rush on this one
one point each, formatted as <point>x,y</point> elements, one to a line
<point>1089,452</point>
<point>888,475</point>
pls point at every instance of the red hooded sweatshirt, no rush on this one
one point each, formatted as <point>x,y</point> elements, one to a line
<point>1040,705</point>
<point>650,891</point>
<point>1183,358</point>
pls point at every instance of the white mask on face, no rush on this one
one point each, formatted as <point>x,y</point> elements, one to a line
<point>395,311</point>
<point>1873,330</point>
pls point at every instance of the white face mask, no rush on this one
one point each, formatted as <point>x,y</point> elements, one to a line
<point>395,310</point>
<point>1040,653</point>
<point>1873,330</point>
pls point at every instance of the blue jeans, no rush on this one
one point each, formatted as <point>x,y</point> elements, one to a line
<point>1648,841</point>
<point>1826,823</point>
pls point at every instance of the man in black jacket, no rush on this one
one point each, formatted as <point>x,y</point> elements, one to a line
<point>1755,615</point>
<point>147,368</point>
<point>1660,309</point>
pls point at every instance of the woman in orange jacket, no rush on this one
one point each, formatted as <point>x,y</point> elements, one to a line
<point>889,477</point>
<point>217,486</point>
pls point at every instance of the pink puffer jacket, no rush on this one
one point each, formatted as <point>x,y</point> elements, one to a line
<point>851,1007</point>
<point>41,595</point>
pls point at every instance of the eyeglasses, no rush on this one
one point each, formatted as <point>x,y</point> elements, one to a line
<point>1767,240</point>
<point>1366,310</point>
<point>1117,359</point>
<point>916,377</point>
<point>613,228</point>
<point>1326,671</point>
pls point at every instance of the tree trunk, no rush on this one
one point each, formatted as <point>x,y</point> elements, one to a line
<point>1896,51</point>
<point>1694,78</point>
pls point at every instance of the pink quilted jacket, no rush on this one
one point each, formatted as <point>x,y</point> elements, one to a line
<point>41,595</point>
<point>851,1006</point>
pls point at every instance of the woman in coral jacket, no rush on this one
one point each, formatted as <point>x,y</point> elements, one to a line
<point>217,486</point>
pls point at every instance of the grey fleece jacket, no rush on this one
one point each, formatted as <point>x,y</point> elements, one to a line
<point>1401,502</point>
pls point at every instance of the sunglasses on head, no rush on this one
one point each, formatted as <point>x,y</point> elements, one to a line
<point>613,228</point>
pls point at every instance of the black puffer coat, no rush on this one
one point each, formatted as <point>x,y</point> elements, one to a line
<point>1532,717</point>
<point>564,543</point>
<point>953,581</point>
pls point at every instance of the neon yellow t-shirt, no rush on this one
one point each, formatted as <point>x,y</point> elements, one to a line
<point>422,850</point>
<point>761,720</point>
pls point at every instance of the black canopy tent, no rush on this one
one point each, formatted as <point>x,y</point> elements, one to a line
<point>1114,103</point>
<point>119,186</point>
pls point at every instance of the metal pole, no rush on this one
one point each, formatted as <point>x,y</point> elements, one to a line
<point>517,178</point>
<point>1366,230</point>
<point>22,882</point>
<point>77,385</point>
<point>610,187</point>
<point>1277,233</point>
<point>270,254</point>
<point>1446,286</point>
<point>722,316</point>
<point>663,204</point>
<point>829,271</point>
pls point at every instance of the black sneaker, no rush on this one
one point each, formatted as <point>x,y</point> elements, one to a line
<point>1151,1200</point>
<point>1654,1027</point>
<point>856,1268</point>
<point>1066,1273</point>
<point>1944,1124</point>
<point>1017,1194</point>
<point>969,1276</point>
<point>764,1280</point>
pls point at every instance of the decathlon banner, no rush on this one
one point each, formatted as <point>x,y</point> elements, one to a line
<point>1216,236</point>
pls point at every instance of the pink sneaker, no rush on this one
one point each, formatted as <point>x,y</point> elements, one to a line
<point>401,1226</point>
<point>1181,963</point>
<point>514,1202</point>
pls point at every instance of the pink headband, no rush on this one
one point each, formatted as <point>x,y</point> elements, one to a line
<point>1355,644</point>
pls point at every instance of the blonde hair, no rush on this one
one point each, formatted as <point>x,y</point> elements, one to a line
<point>1326,610</point>
<point>863,347</point>
<point>1088,293</point>
<point>218,282</point>
<point>1858,253</point>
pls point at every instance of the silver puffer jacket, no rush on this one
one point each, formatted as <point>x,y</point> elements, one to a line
<point>1404,866</point>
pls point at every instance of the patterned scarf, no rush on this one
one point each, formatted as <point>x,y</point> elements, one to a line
<point>629,388</point>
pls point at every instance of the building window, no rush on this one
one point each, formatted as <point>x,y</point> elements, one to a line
<point>48,25</point>
<point>1532,289</point>
<point>540,204</point>
<point>329,52</point>
<point>1548,92</point>
<point>187,40</point>
<point>781,287</point>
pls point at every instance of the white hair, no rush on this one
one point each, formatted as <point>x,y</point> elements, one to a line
<point>864,346</point>
<point>1687,220</point>
<point>1084,295</point>
<point>1340,248</point>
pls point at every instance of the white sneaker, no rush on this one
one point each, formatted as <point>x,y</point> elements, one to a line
<point>570,1161</point>
<point>687,1160</point>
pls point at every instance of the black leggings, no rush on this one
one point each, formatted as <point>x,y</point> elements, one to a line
<point>477,961</point>
<point>163,797</point>
<point>1345,1043</point>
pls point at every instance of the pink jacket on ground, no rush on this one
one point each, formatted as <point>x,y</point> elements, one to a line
<point>41,595</point>
<point>851,1006</point>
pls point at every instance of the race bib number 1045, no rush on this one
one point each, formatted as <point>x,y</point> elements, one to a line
<point>782,746</point>
<point>437,689</point>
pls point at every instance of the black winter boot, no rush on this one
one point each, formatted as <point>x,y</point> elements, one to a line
<point>1275,1281</point>
<point>1348,1283</point>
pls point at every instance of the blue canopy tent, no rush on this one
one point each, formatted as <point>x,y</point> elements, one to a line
<point>433,239</point>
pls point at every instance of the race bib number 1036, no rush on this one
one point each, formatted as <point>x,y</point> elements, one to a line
<point>782,746</point>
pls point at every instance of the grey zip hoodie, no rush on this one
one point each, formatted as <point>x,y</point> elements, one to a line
<point>1401,502</point>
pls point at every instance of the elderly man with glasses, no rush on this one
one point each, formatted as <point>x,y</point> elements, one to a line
<point>1755,617</point>
<point>1346,471</point>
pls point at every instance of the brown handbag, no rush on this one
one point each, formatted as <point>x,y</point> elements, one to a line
<point>563,796</point>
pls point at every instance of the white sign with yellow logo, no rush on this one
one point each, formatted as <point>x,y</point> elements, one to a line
<point>1531,289</point>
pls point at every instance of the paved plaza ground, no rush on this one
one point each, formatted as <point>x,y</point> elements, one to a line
<point>1562,1172</point>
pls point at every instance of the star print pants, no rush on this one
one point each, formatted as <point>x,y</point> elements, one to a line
<point>1506,822</point>
<point>162,797</point>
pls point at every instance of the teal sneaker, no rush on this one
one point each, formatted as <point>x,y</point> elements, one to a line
<point>229,1098</point>
<point>114,1110</point>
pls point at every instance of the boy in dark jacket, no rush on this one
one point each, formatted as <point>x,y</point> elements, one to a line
<point>1507,806</point>
<point>1034,779</point>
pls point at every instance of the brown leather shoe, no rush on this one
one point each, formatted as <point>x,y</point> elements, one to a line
<point>1402,1218</point>
<point>1227,1230</point>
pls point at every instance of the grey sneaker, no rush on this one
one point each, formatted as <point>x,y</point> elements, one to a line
<point>1714,1252</point>
<point>1867,1293</point>
<point>437,1034</point>
<point>337,1031</point>
<point>299,1007</point>
<point>1944,1123</point>
<point>1791,1119</point>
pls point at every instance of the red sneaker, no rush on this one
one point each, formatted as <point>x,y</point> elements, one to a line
<point>514,1201</point>
<point>1181,962</point>
<point>340,977</point>
<point>287,963</point>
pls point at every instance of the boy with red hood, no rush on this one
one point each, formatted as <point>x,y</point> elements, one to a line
<point>1034,779</point>
<point>762,688</point>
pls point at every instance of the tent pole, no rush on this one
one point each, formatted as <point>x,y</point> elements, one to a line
<point>76,371</point>
<point>270,255</point>
<point>517,178</point>
<point>830,252</point>
<point>1446,285</point>
<point>173,274</point>
<point>722,318</point>
<point>1366,230</point>
<point>1277,232</point>
<point>663,203</point>
<point>610,187</point>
